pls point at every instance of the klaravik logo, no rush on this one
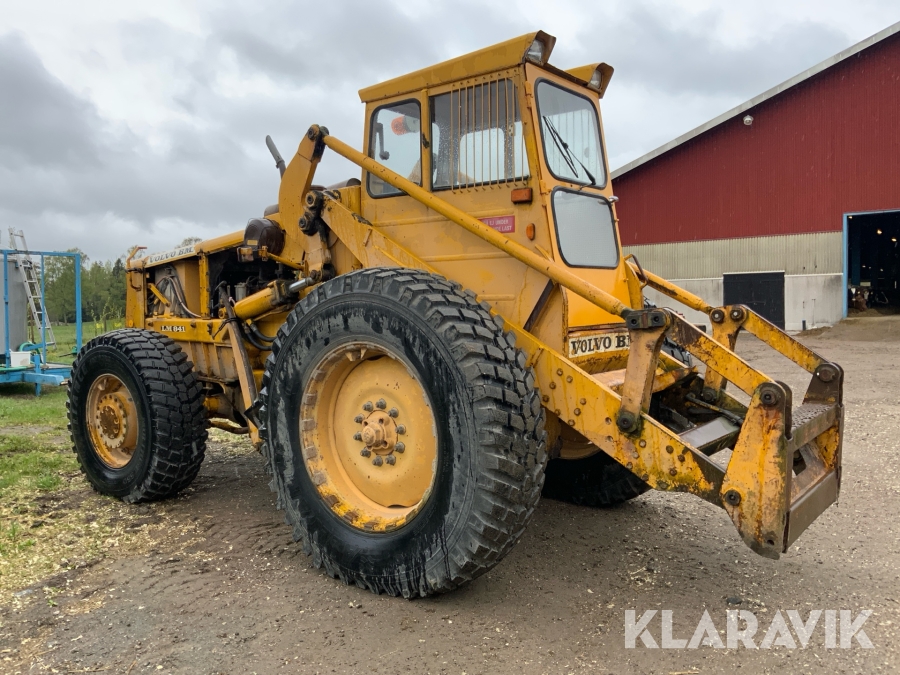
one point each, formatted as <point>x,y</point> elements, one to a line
<point>835,628</point>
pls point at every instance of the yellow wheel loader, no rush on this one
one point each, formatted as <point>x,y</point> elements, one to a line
<point>409,349</point>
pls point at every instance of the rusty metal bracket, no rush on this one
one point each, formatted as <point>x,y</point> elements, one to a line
<point>643,319</point>
<point>756,489</point>
<point>647,330</point>
<point>826,386</point>
<point>726,324</point>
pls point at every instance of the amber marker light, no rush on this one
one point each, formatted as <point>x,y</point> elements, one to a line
<point>521,196</point>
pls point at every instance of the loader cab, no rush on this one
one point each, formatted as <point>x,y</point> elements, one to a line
<point>518,144</point>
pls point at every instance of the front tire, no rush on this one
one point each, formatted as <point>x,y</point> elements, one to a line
<point>136,416</point>
<point>357,358</point>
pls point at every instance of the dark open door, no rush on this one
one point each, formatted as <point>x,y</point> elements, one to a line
<point>763,292</point>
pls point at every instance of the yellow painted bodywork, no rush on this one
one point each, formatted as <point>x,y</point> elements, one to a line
<point>603,398</point>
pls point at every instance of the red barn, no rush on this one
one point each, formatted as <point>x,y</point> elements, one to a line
<point>790,202</point>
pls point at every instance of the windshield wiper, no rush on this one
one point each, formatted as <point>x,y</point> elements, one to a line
<point>560,145</point>
<point>566,151</point>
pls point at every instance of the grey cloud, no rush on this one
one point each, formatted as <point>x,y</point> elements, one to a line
<point>672,77</point>
<point>42,123</point>
<point>58,155</point>
<point>64,167</point>
<point>649,49</point>
<point>361,43</point>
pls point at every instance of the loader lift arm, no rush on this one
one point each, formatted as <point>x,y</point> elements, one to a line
<point>769,501</point>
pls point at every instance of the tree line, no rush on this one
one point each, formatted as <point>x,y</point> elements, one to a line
<point>102,288</point>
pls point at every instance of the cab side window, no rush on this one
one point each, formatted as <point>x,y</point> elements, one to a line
<point>395,142</point>
<point>477,137</point>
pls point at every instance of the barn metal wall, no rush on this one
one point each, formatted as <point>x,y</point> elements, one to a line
<point>816,253</point>
<point>824,147</point>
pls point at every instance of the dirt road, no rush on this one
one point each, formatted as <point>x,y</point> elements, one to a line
<point>224,590</point>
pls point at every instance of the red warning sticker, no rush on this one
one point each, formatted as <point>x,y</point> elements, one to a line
<point>503,224</point>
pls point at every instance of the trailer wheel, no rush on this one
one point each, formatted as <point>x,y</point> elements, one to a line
<point>596,481</point>
<point>405,435</point>
<point>136,415</point>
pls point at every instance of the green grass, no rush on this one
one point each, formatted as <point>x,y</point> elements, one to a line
<point>33,446</point>
<point>20,407</point>
<point>62,351</point>
<point>26,463</point>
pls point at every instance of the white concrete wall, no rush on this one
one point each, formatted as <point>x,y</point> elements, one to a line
<point>815,298</point>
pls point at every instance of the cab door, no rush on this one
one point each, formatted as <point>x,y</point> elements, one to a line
<point>477,151</point>
<point>577,192</point>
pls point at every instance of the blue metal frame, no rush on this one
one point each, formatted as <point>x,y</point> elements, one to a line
<point>41,372</point>
<point>845,266</point>
<point>845,263</point>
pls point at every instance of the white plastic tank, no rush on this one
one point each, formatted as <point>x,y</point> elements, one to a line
<point>17,308</point>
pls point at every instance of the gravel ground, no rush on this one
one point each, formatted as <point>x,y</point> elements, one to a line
<point>219,587</point>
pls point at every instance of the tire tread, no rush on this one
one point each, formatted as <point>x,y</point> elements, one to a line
<point>175,400</point>
<point>506,405</point>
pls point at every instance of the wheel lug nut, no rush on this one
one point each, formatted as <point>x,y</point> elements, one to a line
<point>381,404</point>
<point>401,429</point>
<point>393,412</point>
<point>399,447</point>
<point>367,406</point>
<point>357,436</point>
<point>390,459</point>
<point>377,461</point>
<point>358,419</point>
<point>365,452</point>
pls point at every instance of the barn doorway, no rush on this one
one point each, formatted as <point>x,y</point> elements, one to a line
<point>873,260</point>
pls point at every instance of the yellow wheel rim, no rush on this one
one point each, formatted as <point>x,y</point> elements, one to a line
<point>368,437</point>
<point>112,421</point>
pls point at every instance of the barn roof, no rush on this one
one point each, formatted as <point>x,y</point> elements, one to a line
<point>765,96</point>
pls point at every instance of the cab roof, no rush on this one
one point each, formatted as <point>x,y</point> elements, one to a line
<point>488,60</point>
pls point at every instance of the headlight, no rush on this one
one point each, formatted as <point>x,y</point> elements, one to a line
<point>596,80</point>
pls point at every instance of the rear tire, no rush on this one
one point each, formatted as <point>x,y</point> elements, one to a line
<point>136,415</point>
<point>485,424</point>
<point>596,481</point>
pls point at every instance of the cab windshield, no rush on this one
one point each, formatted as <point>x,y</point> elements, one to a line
<point>571,135</point>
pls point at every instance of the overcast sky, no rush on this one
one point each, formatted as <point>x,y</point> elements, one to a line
<point>126,123</point>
